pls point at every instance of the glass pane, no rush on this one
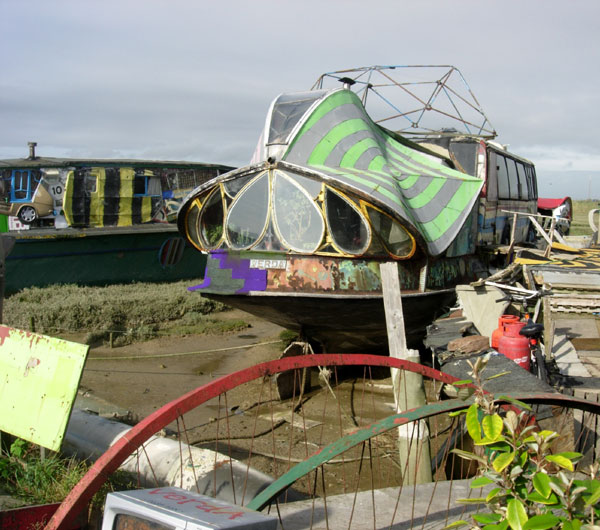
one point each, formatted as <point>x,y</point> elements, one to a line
<point>513,178</point>
<point>347,227</point>
<point>394,236</point>
<point>287,110</point>
<point>248,215</point>
<point>297,217</point>
<point>211,220</point>
<point>523,188</point>
<point>466,154</point>
<point>270,241</point>
<point>312,187</point>
<point>126,521</point>
<point>192,223</point>
<point>503,186</point>
<point>139,185</point>
<point>232,187</point>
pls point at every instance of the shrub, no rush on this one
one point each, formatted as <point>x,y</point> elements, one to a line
<point>132,312</point>
<point>530,487</point>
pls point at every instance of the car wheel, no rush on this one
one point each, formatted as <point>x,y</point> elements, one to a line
<point>27,214</point>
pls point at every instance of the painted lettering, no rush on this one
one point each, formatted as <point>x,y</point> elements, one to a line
<point>200,504</point>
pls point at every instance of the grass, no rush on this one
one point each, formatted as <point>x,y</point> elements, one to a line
<point>33,480</point>
<point>128,313</point>
<point>580,225</point>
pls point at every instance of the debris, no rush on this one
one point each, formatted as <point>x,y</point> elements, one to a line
<point>469,344</point>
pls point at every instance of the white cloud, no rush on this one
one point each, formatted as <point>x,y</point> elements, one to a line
<point>193,80</point>
<point>561,158</point>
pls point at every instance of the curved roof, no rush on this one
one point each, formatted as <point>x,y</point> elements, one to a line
<point>330,133</point>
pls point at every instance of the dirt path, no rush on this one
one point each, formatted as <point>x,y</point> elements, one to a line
<point>142,377</point>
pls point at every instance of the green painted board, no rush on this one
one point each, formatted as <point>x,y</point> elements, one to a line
<point>39,377</point>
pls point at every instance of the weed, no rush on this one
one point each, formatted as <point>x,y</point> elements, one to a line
<point>34,480</point>
<point>130,312</point>
<point>288,336</point>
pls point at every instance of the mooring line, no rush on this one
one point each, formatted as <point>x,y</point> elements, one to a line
<point>129,358</point>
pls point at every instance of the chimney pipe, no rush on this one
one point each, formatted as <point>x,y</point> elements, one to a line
<point>31,150</point>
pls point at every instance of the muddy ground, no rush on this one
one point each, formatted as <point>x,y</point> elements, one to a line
<point>144,376</point>
<point>253,422</point>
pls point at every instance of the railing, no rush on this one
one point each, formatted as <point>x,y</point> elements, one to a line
<point>549,236</point>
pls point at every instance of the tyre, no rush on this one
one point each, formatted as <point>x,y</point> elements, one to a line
<point>27,215</point>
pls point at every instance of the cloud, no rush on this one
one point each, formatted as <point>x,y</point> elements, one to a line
<point>193,80</point>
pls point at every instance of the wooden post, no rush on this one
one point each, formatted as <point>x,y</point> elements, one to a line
<point>413,439</point>
<point>549,247</point>
<point>513,232</point>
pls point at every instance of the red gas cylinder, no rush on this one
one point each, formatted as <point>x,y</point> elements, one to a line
<point>513,345</point>
<point>499,331</point>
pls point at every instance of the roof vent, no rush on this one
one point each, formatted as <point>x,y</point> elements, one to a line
<point>31,150</point>
<point>347,82</point>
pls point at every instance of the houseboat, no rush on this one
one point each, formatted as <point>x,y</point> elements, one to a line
<point>97,222</point>
<point>298,235</point>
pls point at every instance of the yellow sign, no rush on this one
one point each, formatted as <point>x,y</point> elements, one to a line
<point>39,377</point>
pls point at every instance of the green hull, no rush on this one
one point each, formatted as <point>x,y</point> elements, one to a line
<point>101,256</point>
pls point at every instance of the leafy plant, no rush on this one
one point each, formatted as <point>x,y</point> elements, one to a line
<point>37,480</point>
<point>529,487</point>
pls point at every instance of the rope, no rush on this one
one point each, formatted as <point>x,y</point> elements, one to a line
<point>162,355</point>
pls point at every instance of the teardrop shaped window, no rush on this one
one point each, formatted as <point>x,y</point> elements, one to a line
<point>211,220</point>
<point>248,214</point>
<point>394,236</point>
<point>297,218</point>
<point>347,227</point>
<point>232,187</point>
<point>191,223</point>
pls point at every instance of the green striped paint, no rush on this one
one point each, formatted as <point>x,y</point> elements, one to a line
<point>427,194</point>
<point>438,226</point>
<point>356,151</point>
<point>333,137</point>
<point>342,97</point>
<point>366,182</point>
<point>377,163</point>
<point>408,182</point>
<point>399,160</point>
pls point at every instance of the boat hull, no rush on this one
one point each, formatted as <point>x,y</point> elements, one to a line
<point>335,301</point>
<point>345,324</point>
<point>101,256</point>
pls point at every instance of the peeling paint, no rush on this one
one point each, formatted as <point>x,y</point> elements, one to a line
<point>31,363</point>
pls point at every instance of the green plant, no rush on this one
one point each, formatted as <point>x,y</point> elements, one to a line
<point>130,313</point>
<point>37,480</point>
<point>529,487</point>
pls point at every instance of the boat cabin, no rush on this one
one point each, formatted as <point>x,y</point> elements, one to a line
<point>95,193</point>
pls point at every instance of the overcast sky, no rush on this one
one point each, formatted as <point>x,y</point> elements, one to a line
<point>192,80</point>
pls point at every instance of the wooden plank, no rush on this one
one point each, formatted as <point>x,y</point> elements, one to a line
<point>394,316</point>
<point>409,391</point>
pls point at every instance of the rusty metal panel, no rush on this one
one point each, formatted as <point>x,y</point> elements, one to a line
<point>310,274</point>
<point>39,377</point>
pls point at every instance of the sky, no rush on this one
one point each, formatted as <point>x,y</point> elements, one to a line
<point>193,80</point>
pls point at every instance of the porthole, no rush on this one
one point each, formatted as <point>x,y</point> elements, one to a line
<point>211,220</point>
<point>393,235</point>
<point>248,214</point>
<point>347,227</point>
<point>298,219</point>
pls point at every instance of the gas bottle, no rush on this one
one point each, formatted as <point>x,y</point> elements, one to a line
<point>499,331</point>
<point>513,345</point>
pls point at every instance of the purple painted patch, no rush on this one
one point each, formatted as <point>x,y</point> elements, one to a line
<point>254,279</point>
<point>203,285</point>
